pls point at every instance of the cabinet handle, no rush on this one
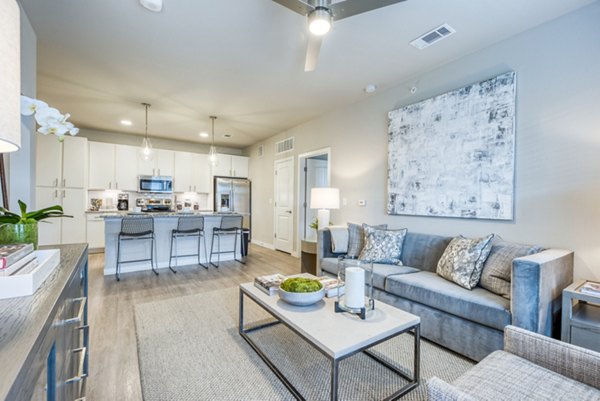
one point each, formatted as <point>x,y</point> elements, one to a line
<point>109,185</point>
<point>79,317</point>
<point>56,193</point>
<point>56,182</point>
<point>64,182</point>
<point>80,373</point>
<point>194,188</point>
<point>158,171</point>
<point>64,194</point>
<point>116,185</point>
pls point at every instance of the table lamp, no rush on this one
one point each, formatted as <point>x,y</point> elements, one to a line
<point>324,199</point>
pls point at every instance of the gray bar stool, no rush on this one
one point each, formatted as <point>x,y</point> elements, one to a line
<point>187,227</point>
<point>136,229</point>
<point>230,225</point>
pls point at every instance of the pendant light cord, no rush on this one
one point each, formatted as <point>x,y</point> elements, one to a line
<point>213,118</point>
<point>146,105</point>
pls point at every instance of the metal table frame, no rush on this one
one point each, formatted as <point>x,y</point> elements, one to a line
<point>412,381</point>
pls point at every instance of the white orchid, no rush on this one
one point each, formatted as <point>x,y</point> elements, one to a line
<point>49,119</point>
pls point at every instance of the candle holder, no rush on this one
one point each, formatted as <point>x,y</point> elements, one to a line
<point>357,278</point>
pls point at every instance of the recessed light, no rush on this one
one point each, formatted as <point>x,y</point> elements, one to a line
<point>152,5</point>
<point>203,134</point>
<point>127,123</point>
<point>227,135</point>
<point>370,88</point>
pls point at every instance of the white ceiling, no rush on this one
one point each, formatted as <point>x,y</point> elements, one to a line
<point>243,60</point>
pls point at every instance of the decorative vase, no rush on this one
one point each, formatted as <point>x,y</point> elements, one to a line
<point>357,277</point>
<point>19,234</point>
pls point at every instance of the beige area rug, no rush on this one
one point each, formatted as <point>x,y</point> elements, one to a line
<point>189,349</point>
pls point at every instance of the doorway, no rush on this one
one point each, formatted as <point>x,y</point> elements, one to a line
<point>284,205</point>
<point>314,171</point>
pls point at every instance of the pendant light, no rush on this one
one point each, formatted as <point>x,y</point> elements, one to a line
<point>146,151</point>
<point>213,157</point>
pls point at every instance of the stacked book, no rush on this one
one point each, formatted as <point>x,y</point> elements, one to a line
<point>270,284</point>
<point>590,288</point>
<point>17,258</point>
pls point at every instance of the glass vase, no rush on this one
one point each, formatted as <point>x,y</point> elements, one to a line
<point>357,278</point>
<point>19,234</point>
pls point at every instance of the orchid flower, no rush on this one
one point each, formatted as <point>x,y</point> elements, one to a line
<point>30,106</point>
<point>49,119</point>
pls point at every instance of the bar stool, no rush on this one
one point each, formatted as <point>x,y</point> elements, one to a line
<point>187,227</point>
<point>230,225</point>
<point>136,229</point>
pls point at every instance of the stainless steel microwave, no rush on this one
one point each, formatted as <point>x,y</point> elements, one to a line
<point>156,184</point>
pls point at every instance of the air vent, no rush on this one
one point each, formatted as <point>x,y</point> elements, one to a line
<point>433,36</point>
<point>261,151</point>
<point>286,145</point>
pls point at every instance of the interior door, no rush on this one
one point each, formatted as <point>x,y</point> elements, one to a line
<point>284,205</point>
<point>315,176</point>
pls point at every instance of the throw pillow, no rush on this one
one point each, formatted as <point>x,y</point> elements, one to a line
<point>356,238</point>
<point>463,259</point>
<point>496,275</point>
<point>383,246</point>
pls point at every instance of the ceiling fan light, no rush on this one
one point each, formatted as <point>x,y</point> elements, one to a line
<point>319,21</point>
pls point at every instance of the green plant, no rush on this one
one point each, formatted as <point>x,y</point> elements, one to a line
<point>301,284</point>
<point>315,224</point>
<point>7,217</point>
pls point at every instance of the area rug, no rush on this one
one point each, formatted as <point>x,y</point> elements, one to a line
<point>189,349</point>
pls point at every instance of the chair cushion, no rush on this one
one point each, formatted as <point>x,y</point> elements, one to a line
<point>496,273</point>
<point>380,271</point>
<point>504,376</point>
<point>383,246</point>
<point>356,238</point>
<point>477,305</point>
<point>463,259</point>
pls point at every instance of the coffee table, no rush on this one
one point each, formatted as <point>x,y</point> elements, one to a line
<point>320,326</point>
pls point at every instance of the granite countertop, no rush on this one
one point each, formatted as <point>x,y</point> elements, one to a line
<point>120,215</point>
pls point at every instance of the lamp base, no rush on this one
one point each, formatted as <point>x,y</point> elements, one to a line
<point>323,218</point>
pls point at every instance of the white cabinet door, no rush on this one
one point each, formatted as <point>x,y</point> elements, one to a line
<point>48,161</point>
<point>75,162</point>
<point>223,168</point>
<point>73,229</point>
<point>183,172</point>
<point>49,229</point>
<point>95,232</point>
<point>165,162</point>
<point>239,166</point>
<point>126,175</point>
<point>146,167</point>
<point>102,165</point>
<point>200,174</point>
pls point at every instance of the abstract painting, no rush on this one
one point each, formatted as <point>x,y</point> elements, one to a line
<point>453,155</point>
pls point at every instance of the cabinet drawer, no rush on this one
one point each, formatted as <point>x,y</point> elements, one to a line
<point>586,337</point>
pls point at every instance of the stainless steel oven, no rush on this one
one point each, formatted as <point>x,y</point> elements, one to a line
<point>156,184</point>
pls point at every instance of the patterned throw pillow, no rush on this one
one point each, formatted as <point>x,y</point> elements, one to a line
<point>356,238</point>
<point>383,246</point>
<point>463,259</point>
<point>496,275</point>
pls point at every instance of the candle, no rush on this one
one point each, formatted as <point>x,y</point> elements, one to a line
<point>355,287</point>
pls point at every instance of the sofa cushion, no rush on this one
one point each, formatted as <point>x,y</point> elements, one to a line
<point>504,376</point>
<point>477,305</point>
<point>423,250</point>
<point>380,271</point>
<point>356,238</point>
<point>383,246</point>
<point>463,259</point>
<point>497,268</point>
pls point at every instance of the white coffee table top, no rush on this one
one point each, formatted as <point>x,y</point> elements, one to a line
<point>336,334</point>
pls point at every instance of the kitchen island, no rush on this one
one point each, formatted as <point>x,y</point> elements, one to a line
<point>164,223</point>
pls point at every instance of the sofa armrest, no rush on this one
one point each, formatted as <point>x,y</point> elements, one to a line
<point>536,289</point>
<point>569,360</point>
<point>439,390</point>
<point>324,247</point>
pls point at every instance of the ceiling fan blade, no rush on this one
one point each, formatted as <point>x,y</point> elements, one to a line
<point>312,52</point>
<point>348,8</point>
<point>299,6</point>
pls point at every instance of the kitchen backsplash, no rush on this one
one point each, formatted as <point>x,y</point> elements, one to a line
<point>107,200</point>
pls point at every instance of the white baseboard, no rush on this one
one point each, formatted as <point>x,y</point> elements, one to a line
<point>295,254</point>
<point>263,244</point>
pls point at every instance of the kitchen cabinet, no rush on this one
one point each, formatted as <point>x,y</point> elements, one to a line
<point>126,174</point>
<point>102,165</point>
<point>95,231</point>
<point>61,164</point>
<point>49,230</point>
<point>231,166</point>
<point>200,173</point>
<point>63,230</point>
<point>183,172</point>
<point>161,164</point>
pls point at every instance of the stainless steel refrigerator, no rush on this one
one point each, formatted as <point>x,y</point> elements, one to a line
<point>232,195</point>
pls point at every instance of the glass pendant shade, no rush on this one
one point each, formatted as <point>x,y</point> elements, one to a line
<point>146,152</point>
<point>213,157</point>
<point>10,77</point>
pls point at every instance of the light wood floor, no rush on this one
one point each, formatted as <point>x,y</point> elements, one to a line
<point>114,373</point>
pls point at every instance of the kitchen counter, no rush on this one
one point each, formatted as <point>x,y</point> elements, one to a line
<point>164,223</point>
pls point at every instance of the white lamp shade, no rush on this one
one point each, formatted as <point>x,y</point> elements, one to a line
<point>10,76</point>
<point>324,198</point>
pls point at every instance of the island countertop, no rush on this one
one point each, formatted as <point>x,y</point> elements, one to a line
<point>120,215</point>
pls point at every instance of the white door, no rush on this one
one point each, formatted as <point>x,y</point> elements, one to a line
<point>73,229</point>
<point>49,229</point>
<point>200,173</point>
<point>239,166</point>
<point>126,175</point>
<point>182,180</point>
<point>48,161</point>
<point>284,205</point>
<point>102,165</point>
<point>165,162</point>
<point>316,176</point>
<point>223,168</point>
<point>75,162</point>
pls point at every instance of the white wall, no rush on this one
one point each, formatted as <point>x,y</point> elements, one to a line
<point>558,142</point>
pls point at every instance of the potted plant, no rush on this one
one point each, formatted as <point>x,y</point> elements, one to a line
<point>23,229</point>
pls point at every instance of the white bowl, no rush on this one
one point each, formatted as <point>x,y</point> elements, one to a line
<point>301,298</point>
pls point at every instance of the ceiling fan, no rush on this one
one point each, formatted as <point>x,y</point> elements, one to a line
<point>321,14</point>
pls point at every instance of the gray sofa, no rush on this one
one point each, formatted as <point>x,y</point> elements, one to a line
<point>470,322</point>
<point>531,367</point>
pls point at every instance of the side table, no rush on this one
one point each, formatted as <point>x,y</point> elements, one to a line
<point>308,257</point>
<point>580,317</point>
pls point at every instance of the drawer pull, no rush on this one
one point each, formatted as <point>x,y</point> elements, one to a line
<point>80,375</point>
<point>79,317</point>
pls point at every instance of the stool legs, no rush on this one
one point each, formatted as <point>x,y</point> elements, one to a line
<point>152,254</point>
<point>118,258</point>
<point>205,255</point>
